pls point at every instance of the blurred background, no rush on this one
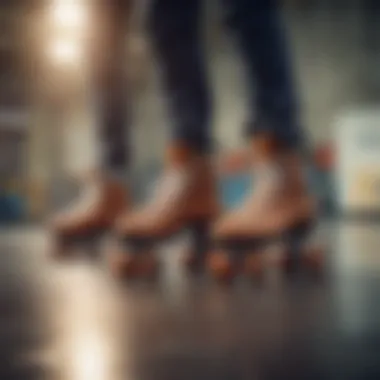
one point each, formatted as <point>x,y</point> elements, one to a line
<point>47,108</point>
<point>61,321</point>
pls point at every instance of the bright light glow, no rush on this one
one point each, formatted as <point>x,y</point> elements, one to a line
<point>89,358</point>
<point>68,13</point>
<point>88,332</point>
<point>66,52</point>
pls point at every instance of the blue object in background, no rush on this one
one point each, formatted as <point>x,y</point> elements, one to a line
<point>12,208</point>
<point>233,189</point>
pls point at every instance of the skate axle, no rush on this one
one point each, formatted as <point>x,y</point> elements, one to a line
<point>200,236</point>
<point>137,253</point>
<point>245,255</point>
<point>200,244</point>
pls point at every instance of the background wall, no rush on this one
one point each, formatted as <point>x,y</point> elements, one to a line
<point>335,48</point>
<point>335,60</point>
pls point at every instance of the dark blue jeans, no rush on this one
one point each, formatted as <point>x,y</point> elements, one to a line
<point>177,36</point>
<point>109,69</point>
<point>257,25</point>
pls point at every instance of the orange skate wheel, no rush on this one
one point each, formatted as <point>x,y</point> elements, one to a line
<point>146,265</point>
<point>254,265</point>
<point>221,267</point>
<point>124,265</point>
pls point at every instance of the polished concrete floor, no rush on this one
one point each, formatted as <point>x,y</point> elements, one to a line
<point>73,321</point>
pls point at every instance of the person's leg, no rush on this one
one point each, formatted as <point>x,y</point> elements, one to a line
<point>104,196</point>
<point>261,35</point>
<point>110,86</point>
<point>186,193</point>
<point>280,201</point>
<point>177,40</point>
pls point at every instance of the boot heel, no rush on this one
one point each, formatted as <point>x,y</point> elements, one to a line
<point>200,245</point>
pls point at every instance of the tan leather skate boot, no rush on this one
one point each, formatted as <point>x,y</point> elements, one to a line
<point>279,206</point>
<point>185,197</point>
<point>95,212</point>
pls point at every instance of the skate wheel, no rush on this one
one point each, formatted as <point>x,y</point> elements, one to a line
<point>253,265</point>
<point>124,265</point>
<point>147,266</point>
<point>314,259</point>
<point>221,267</point>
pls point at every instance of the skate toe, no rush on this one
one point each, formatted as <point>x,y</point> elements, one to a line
<point>134,224</point>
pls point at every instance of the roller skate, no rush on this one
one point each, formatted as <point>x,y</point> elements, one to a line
<point>89,218</point>
<point>184,199</point>
<point>279,211</point>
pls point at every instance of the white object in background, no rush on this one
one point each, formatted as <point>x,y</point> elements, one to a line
<point>81,143</point>
<point>358,160</point>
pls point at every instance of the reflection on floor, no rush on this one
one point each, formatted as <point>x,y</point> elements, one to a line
<point>73,321</point>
